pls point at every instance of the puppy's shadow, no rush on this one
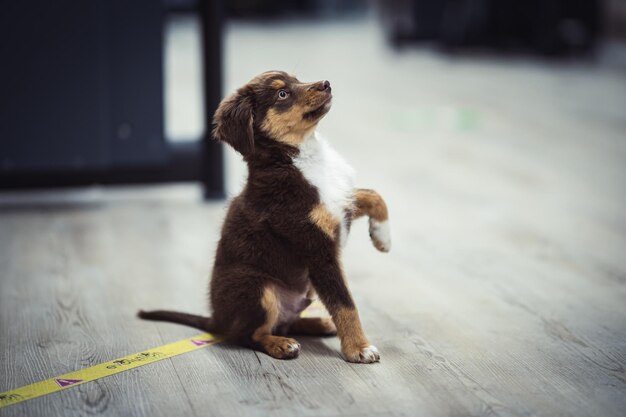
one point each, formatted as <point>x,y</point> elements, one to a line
<point>310,344</point>
<point>315,345</point>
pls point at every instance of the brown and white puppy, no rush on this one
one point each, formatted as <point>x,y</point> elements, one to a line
<point>282,237</point>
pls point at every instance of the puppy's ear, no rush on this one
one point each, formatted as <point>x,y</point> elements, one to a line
<point>233,122</point>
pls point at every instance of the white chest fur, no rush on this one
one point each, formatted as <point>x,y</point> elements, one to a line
<point>333,177</point>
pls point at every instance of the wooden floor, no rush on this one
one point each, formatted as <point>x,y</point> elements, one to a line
<point>504,293</point>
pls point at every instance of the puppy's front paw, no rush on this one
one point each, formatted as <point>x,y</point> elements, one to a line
<point>380,235</point>
<point>368,354</point>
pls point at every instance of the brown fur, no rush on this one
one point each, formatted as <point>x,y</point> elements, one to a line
<point>370,203</point>
<point>285,127</point>
<point>350,332</point>
<point>276,346</point>
<point>278,242</point>
<point>320,326</point>
<point>277,84</point>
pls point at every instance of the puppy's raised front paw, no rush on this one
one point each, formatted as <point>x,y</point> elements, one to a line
<point>380,235</point>
<point>368,354</point>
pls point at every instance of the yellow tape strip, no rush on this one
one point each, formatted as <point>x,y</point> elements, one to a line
<point>73,379</point>
<point>102,370</point>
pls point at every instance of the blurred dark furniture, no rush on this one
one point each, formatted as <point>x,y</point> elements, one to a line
<point>82,95</point>
<point>549,27</point>
<point>273,9</point>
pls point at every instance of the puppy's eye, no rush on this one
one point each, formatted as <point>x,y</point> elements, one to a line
<point>283,94</point>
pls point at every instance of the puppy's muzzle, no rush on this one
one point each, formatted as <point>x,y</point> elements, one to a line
<point>321,86</point>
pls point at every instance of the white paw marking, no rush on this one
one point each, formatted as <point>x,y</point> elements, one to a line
<point>293,347</point>
<point>380,234</point>
<point>369,354</point>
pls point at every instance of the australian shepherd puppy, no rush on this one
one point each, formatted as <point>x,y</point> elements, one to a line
<point>282,237</point>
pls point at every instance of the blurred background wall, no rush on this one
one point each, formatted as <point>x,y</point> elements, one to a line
<point>119,90</point>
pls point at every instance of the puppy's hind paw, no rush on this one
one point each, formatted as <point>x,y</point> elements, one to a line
<point>380,235</point>
<point>282,347</point>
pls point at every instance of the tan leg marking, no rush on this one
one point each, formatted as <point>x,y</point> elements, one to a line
<point>322,218</point>
<point>314,326</point>
<point>370,203</point>
<point>354,344</point>
<point>275,346</point>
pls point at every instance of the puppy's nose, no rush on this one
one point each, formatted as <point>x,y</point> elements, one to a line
<point>323,86</point>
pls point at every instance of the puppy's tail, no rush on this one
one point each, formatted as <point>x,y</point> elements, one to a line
<point>192,320</point>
